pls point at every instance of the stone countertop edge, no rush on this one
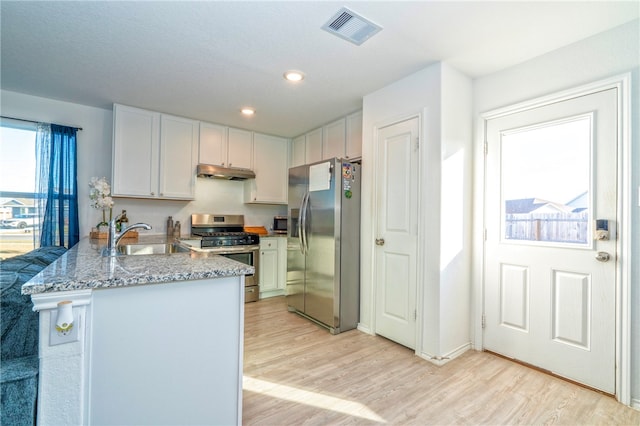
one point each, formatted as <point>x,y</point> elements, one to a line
<point>82,267</point>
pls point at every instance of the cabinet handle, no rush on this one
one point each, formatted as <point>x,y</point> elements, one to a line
<point>229,164</point>
<point>153,193</point>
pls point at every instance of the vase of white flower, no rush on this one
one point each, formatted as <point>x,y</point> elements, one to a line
<point>100,195</point>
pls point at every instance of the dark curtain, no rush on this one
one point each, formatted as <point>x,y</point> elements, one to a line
<point>57,186</point>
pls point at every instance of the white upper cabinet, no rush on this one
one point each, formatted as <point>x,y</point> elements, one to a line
<point>178,157</point>
<point>136,149</point>
<point>313,146</point>
<point>333,139</point>
<point>270,160</point>
<point>298,151</point>
<point>154,155</point>
<point>354,136</point>
<point>240,149</point>
<point>341,138</point>
<point>213,144</point>
<point>307,148</point>
<point>225,146</point>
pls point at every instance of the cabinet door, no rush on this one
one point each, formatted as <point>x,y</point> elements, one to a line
<point>213,144</point>
<point>354,135</point>
<point>333,137</point>
<point>135,152</point>
<point>268,265</point>
<point>240,149</point>
<point>298,148</point>
<point>314,146</point>
<point>178,157</point>
<point>270,159</point>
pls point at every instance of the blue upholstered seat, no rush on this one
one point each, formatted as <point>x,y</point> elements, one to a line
<point>19,344</point>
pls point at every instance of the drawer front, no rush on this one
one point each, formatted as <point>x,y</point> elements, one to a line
<point>251,294</point>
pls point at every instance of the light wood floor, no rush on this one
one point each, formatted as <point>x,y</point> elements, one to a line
<point>296,373</point>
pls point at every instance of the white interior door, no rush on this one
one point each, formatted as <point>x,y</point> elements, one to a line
<point>549,291</point>
<point>396,232</point>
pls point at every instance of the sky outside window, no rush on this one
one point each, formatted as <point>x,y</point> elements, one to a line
<point>17,160</point>
<point>550,162</point>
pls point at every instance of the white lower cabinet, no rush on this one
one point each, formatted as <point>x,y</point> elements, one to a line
<point>273,266</point>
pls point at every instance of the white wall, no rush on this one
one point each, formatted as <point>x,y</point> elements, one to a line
<point>455,223</point>
<point>608,54</point>
<point>94,159</point>
<point>442,96</point>
<point>416,94</point>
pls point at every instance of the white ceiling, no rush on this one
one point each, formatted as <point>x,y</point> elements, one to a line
<point>207,59</point>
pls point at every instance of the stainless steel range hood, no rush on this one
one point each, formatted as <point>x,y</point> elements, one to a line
<point>219,172</point>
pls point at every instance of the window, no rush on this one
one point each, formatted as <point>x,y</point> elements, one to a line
<point>546,182</point>
<point>18,217</point>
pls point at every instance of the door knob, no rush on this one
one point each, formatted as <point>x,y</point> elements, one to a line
<point>603,256</point>
<point>380,241</point>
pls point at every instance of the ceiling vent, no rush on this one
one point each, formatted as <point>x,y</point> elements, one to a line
<point>350,26</point>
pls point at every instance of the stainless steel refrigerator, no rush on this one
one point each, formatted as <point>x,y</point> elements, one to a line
<point>323,245</point>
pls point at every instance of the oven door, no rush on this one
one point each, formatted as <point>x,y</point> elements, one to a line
<point>249,255</point>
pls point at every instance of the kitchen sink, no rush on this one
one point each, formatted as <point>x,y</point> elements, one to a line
<point>153,248</point>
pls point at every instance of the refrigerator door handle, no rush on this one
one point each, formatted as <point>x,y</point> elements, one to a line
<point>301,223</point>
<point>305,218</point>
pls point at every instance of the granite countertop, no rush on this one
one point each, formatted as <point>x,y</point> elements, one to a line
<point>82,267</point>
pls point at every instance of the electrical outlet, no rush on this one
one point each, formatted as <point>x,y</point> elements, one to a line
<point>56,337</point>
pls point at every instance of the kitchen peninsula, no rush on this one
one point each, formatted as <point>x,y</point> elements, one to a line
<point>157,339</point>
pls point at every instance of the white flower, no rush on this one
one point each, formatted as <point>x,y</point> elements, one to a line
<point>100,193</point>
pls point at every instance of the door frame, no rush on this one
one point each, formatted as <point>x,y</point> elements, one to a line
<point>374,223</point>
<point>624,194</point>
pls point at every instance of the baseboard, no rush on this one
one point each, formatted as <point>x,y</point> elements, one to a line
<point>364,329</point>
<point>443,359</point>
<point>271,293</point>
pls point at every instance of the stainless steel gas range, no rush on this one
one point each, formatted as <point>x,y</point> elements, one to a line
<point>224,235</point>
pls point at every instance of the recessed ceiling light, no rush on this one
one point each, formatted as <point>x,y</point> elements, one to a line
<point>294,75</point>
<point>248,111</point>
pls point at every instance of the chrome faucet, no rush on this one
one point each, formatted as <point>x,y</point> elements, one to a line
<point>114,237</point>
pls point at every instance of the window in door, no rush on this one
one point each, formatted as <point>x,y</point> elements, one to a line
<point>18,217</point>
<point>546,182</point>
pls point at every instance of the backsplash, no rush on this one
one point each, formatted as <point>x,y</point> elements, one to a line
<point>212,196</point>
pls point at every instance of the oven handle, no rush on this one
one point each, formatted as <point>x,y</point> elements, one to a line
<point>230,250</point>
